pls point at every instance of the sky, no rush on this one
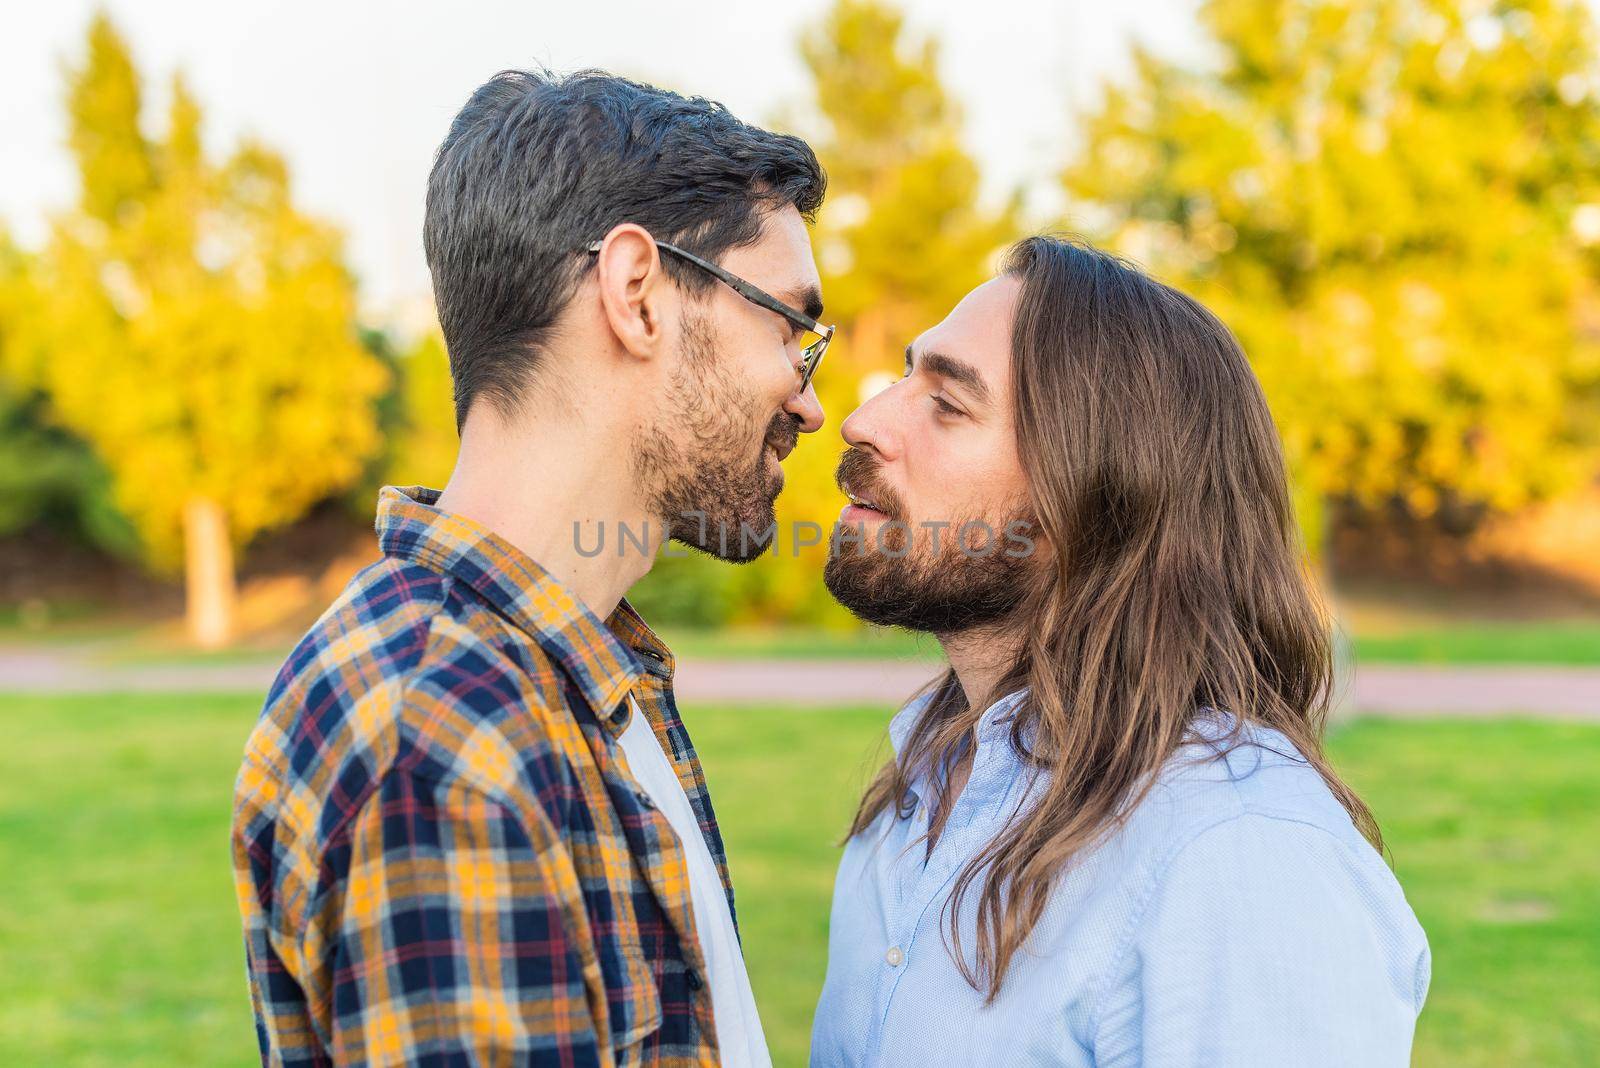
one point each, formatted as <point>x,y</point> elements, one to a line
<point>357,94</point>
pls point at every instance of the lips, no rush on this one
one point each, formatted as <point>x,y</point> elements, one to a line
<point>857,478</point>
<point>859,500</point>
<point>869,499</point>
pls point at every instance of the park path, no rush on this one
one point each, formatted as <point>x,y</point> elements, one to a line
<point>1385,689</point>
<point>1376,688</point>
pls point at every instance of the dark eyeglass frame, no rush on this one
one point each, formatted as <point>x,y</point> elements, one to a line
<point>810,356</point>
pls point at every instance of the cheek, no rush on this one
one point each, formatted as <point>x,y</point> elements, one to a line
<point>758,361</point>
<point>941,483</point>
<point>1004,477</point>
<point>956,481</point>
<point>746,380</point>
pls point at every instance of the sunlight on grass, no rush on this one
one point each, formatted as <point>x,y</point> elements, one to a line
<point>1572,643</point>
<point>121,943</point>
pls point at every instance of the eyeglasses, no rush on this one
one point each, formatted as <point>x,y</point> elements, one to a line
<point>814,337</point>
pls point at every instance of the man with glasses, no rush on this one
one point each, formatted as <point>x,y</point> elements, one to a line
<point>470,826</point>
<point>811,338</point>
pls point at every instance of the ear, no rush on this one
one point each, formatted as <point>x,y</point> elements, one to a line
<point>633,288</point>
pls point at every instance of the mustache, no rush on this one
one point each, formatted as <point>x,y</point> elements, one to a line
<point>860,472</point>
<point>784,431</point>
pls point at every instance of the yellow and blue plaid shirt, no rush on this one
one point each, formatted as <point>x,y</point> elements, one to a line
<point>441,857</point>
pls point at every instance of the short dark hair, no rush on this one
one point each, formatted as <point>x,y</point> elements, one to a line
<point>536,166</point>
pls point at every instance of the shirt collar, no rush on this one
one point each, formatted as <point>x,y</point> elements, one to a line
<point>994,717</point>
<point>604,660</point>
<point>901,725</point>
<point>995,765</point>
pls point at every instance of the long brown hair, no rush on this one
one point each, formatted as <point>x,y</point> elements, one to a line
<point>1175,581</point>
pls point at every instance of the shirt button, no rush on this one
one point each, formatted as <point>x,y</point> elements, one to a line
<point>692,977</point>
<point>894,957</point>
<point>644,799</point>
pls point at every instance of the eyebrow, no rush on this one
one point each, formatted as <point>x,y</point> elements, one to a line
<point>958,371</point>
<point>808,300</point>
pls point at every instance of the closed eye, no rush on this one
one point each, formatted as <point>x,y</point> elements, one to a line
<point>944,406</point>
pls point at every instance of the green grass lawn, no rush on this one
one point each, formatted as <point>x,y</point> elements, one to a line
<point>119,939</point>
<point>1568,642</point>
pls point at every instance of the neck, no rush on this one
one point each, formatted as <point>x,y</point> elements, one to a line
<point>551,485</point>
<point>980,657</point>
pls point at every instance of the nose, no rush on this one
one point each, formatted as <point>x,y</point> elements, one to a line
<point>866,427</point>
<point>805,407</point>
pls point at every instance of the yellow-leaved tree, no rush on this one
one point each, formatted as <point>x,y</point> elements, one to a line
<point>1396,204</point>
<point>424,442</point>
<point>198,331</point>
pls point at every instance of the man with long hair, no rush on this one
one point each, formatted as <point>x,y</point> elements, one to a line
<point>1109,834</point>
<point>471,827</point>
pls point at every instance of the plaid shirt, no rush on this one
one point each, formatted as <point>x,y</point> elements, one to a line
<point>440,855</point>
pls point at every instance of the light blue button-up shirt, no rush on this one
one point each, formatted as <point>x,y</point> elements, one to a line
<point>1238,919</point>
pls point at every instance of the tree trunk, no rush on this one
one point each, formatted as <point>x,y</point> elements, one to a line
<point>209,578</point>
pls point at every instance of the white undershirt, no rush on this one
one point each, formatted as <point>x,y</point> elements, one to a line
<point>733,1003</point>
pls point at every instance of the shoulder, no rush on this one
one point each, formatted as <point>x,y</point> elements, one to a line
<point>1243,858</point>
<point>1218,776</point>
<point>335,699</point>
<point>373,633</point>
<point>404,668</point>
<point>1256,870</point>
<point>1263,939</point>
<point>1248,814</point>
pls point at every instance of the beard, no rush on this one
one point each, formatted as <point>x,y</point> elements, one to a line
<point>899,578</point>
<point>707,469</point>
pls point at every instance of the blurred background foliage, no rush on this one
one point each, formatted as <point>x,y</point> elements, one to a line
<point>1394,203</point>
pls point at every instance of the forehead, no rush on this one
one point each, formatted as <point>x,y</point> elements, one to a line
<point>780,260</point>
<point>978,331</point>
